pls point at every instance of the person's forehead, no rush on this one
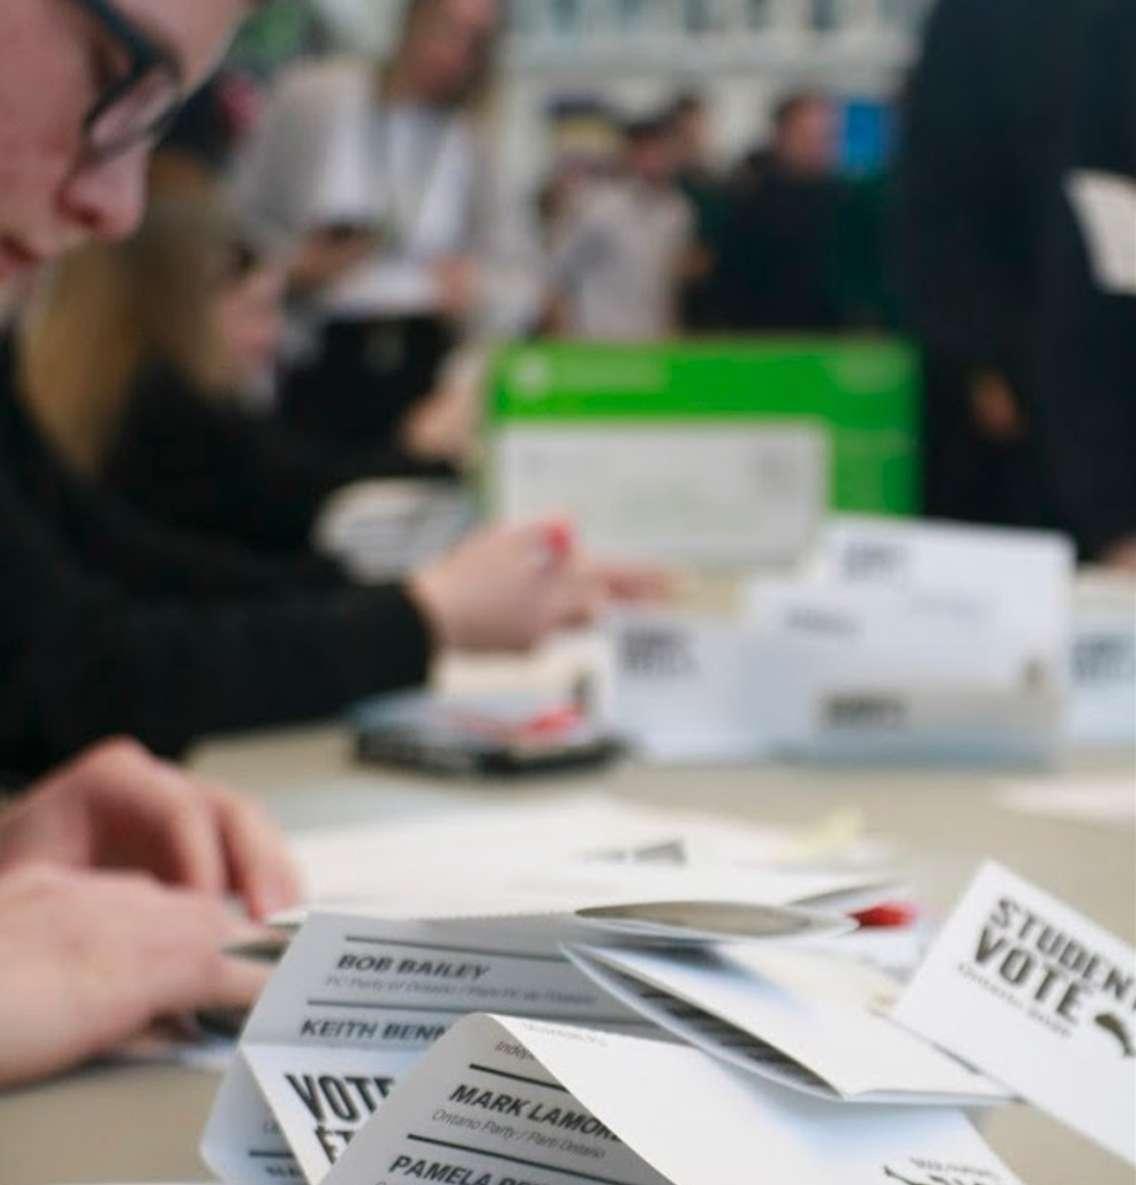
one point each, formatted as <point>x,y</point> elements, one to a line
<point>195,32</point>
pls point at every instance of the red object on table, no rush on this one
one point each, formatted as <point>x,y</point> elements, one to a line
<point>891,915</point>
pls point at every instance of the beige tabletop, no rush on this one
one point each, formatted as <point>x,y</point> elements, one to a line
<point>135,1124</point>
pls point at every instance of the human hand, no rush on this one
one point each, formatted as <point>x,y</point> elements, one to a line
<point>117,807</point>
<point>92,958</point>
<point>996,409</point>
<point>507,588</point>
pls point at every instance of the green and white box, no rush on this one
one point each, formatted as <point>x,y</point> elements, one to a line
<point>722,456</point>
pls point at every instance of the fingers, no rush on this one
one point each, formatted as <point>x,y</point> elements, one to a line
<point>153,818</point>
<point>260,868</point>
<point>186,966</point>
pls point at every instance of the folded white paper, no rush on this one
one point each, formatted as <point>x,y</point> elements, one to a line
<point>502,1101</point>
<point>803,1019</point>
<point>354,1003</point>
<point>1039,997</point>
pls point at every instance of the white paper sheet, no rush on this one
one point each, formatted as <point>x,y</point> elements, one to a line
<point>505,1100</point>
<point>1105,205</point>
<point>721,497</point>
<point>1039,997</point>
<point>1106,803</point>
<point>807,1020</point>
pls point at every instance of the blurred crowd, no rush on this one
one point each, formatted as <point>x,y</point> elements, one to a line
<point>327,253</point>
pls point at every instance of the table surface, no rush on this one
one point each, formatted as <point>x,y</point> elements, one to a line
<point>141,1124</point>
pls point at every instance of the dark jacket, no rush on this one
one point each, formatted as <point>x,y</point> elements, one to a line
<point>1087,332</point>
<point>777,266</point>
<point>195,464</point>
<point>108,626</point>
<point>1007,100</point>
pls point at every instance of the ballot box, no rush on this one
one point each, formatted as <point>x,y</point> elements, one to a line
<point>720,455</point>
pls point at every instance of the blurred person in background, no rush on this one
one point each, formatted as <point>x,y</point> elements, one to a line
<point>138,362</point>
<point>377,170</point>
<point>132,626</point>
<point>703,186</point>
<point>624,246</point>
<point>117,859</point>
<point>1030,353</point>
<point>781,225</point>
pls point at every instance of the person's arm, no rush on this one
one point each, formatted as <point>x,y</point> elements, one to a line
<point>231,475</point>
<point>83,659</point>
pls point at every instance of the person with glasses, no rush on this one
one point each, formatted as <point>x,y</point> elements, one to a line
<point>92,950</point>
<point>112,870</point>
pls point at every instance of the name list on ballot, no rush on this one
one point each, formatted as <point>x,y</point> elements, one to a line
<point>354,1004</point>
<point>1035,994</point>
<point>505,1101</point>
<point>358,999</point>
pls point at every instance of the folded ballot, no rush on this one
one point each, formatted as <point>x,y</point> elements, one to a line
<point>806,1020</point>
<point>359,997</point>
<point>504,1101</point>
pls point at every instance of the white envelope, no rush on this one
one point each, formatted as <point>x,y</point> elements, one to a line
<point>1039,997</point>
<point>802,1019</point>
<point>501,1100</point>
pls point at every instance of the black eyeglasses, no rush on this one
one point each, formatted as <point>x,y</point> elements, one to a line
<point>139,107</point>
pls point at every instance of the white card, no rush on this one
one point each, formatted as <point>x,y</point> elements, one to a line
<point>804,1019</point>
<point>1039,997</point>
<point>501,1100</point>
<point>1105,205</point>
<point>728,497</point>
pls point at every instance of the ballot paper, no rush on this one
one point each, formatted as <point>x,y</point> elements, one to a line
<point>1104,802</point>
<point>1041,998</point>
<point>809,1021</point>
<point>562,853</point>
<point>716,497</point>
<point>502,1101</point>
<point>357,999</point>
<point>352,1006</point>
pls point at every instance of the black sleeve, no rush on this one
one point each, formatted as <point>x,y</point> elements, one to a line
<point>210,468</point>
<point>83,660</point>
<point>954,223</point>
<point>1087,368</point>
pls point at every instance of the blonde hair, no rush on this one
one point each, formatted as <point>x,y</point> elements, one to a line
<point>107,311</point>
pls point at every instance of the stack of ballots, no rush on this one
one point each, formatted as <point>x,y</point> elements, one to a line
<point>896,641</point>
<point>631,1024</point>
